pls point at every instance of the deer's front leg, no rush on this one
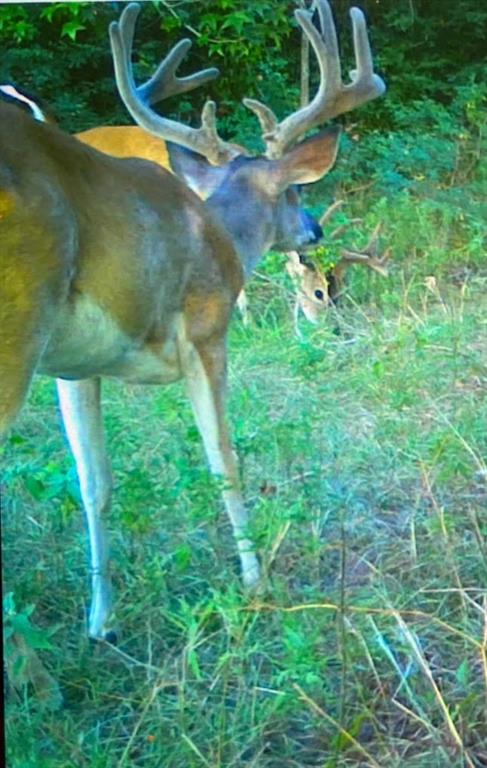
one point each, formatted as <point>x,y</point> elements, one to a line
<point>243,307</point>
<point>80,408</point>
<point>205,372</point>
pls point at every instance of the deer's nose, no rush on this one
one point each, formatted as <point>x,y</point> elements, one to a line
<point>314,232</point>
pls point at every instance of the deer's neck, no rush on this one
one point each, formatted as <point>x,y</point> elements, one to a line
<point>251,233</point>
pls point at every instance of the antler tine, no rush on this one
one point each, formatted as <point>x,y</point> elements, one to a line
<point>339,231</point>
<point>204,140</point>
<point>215,144</point>
<point>330,211</point>
<point>267,119</point>
<point>121,39</point>
<point>325,45</point>
<point>164,82</point>
<point>361,46</point>
<point>369,255</point>
<point>373,244</point>
<point>333,97</point>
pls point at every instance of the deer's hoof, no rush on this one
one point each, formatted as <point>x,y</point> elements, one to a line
<point>106,636</point>
<point>111,637</point>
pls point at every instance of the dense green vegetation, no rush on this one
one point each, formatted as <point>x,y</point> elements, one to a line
<point>429,56</point>
<point>363,446</point>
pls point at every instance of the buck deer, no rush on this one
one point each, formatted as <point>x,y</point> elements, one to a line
<point>111,267</point>
<point>205,162</point>
<point>114,267</point>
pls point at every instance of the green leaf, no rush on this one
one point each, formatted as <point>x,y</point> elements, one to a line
<point>462,673</point>
<point>194,665</point>
<point>55,9</point>
<point>49,11</point>
<point>34,637</point>
<point>71,28</point>
<point>182,557</point>
<point>35,487</point>
<point>16,439</point>
<point>236,21</point>
<point>9,604</point>
<point>378,369</point>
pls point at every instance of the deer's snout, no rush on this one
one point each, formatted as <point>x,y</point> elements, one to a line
<point>311,229</point>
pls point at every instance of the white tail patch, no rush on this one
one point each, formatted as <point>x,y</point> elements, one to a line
<point>37,113</point>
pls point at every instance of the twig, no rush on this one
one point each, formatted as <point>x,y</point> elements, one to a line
<point>363,609</point>
<point>130,659</point>
<point>429,675</point>
<point>342,642</point>
<point>361,188</point>
<point>479,462</point>
<point>138,724</point>
<point>281,535</point>
<point>483,652</point>
<point>195,749</point>
<point>316,708</point>
<point>403,684</point>
<point>440,511</point>
<point>411,714</point>
<point>291,480</point>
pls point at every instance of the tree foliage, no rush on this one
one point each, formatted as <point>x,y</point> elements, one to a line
<point>427,132</point>
<point>61,51</point>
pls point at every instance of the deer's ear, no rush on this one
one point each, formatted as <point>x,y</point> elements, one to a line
<point>195,170</point>
<point>309,161</point>
<point>294,265</point>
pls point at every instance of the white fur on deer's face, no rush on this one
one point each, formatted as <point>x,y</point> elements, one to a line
<point>311,286</point>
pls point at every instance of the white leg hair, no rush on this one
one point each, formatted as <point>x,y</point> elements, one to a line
<point>80,408</point>
<point>243,307</point>
<point>206,387</point>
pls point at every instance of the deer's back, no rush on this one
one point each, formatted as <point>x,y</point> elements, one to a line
<point>96,239</point>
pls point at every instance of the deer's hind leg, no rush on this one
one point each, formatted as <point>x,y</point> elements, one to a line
<point>34,281</point>
<point>24,332</point>
<point>15,379</point>
<point>80,407</point>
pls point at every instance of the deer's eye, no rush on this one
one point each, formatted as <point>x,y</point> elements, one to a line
<point>319,294</point>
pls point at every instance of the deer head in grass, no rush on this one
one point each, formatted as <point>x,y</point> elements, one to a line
<point>319,276</point>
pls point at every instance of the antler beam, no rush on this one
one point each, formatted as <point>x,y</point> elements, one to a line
<point>333,97</point>
<point>164,83</point>
<point>369,256</point>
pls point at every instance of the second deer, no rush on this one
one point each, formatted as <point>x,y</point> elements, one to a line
<point>316,286</point>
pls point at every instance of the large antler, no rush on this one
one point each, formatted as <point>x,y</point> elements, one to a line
<point>164,83</point>
<point>333,97</point>
<point>315,288</point>
<point>368,256</point>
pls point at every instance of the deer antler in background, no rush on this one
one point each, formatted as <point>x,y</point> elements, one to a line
<point>315,287</point>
